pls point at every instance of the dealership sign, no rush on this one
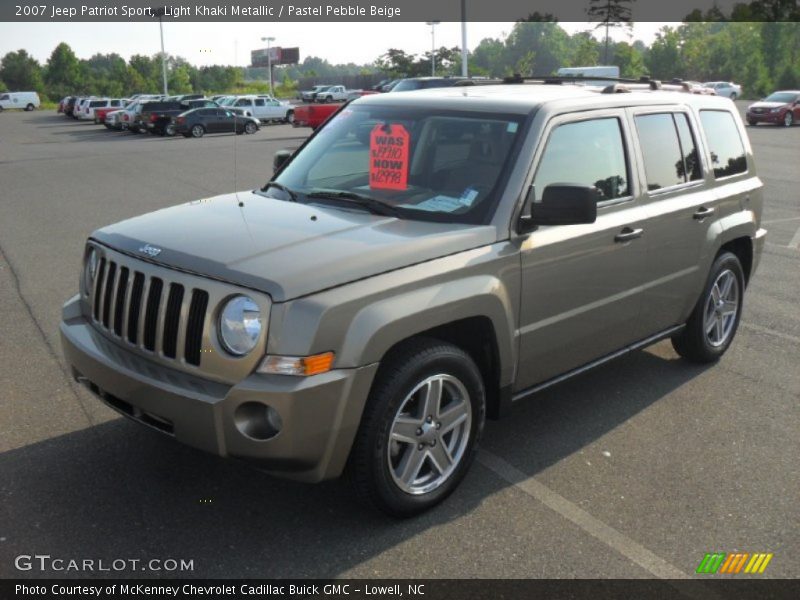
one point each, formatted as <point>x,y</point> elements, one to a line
<point>277,56</point>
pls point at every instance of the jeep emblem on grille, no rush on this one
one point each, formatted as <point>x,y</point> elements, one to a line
<point>151,251</point>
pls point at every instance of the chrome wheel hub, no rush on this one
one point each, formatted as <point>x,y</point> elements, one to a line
<point>721,309</point>
<point>429,434</point>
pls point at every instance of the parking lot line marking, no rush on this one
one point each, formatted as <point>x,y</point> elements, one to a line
<point>795,243</point>
<point>779,334</point>
<point>633,551</point>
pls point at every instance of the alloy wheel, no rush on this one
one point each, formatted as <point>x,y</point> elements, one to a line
<point>722,306</point>
<point>429,434</point>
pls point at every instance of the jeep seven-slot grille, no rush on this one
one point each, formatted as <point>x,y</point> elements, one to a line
<point>149,312</point>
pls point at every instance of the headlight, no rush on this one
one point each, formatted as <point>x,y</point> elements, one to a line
<point>89,271</point>
<point>240,325</point>
<point>776,110</point>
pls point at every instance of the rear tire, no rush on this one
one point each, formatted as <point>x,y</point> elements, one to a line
<point>404,435</point>
<point>30,107</point>
<point>169,130</point>
<point>752,123</point>
<point>198,131</point>
<point>713,323</point>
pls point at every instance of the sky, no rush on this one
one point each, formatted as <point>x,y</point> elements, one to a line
<point>230,43</point>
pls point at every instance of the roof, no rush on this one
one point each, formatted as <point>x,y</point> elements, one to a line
<point>523,98</point>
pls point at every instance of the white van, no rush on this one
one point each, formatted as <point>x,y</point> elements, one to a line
<point>23,100</point>
<point>584,74</point>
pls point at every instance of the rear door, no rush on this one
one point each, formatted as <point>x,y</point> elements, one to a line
<point>681,208</point>
<point>581,284</point>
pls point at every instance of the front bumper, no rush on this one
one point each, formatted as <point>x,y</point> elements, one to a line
<point>320,414</point>
<point>765,117</point>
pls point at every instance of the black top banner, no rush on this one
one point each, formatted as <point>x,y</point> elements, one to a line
<point>399,10</point>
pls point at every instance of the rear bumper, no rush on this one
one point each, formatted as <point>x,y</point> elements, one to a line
<point>319,414</point>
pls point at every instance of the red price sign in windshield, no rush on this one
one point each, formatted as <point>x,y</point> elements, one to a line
<point>388,156</point>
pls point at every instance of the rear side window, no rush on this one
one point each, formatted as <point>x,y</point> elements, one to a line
<point>724,143</point>
<point>668,150</point>
<point>97,103</point>
<point>590,153</point>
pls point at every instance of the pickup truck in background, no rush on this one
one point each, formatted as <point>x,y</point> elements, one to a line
<point>263,108</point>
<point>314,115</point>
<point>310,95</point>
<point>336,93</point>
<point>156,117</point>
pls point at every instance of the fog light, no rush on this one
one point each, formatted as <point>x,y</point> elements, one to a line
<point>257,421</point>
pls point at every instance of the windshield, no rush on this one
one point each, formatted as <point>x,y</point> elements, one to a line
<point>784,97</point>
<point>423,164</point>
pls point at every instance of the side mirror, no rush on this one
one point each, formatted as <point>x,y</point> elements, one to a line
<point>561,204</point>
<point>281,156</point>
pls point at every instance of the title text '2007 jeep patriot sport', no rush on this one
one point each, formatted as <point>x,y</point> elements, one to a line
<point>422,261</point>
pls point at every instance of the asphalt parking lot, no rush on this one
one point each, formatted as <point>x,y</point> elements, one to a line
<point>634,470</point>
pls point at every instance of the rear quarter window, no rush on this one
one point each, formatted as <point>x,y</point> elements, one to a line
<point>724,143</point>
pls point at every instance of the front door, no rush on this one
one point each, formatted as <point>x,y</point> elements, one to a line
<point>581,284</point>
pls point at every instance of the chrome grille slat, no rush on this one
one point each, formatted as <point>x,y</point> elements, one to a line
<point>97,294</point>
<point>135,308</point>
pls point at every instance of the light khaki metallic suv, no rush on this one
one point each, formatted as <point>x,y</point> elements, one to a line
<point>422,262</point>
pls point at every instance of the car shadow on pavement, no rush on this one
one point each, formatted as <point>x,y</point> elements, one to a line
<point>120,491</point>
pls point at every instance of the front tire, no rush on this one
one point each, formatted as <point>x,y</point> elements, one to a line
<point>420,429</point>
<point>714,321</point>
<point>752,122</point>
<point>30,107</point>
<point>734,96</point>
<point>788,119</point>
<point>290,117</point>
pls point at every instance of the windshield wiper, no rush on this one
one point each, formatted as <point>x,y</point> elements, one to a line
<point>292,194</point>
<point>372,204</point>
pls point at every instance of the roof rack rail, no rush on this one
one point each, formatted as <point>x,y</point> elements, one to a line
<point>559,79</point>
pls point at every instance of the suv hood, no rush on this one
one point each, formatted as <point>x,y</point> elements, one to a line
<point>285,249</point>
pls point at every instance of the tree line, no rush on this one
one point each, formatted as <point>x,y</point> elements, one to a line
<point>761,56</point>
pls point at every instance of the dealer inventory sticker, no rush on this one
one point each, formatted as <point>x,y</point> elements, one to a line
<point>388,155</point>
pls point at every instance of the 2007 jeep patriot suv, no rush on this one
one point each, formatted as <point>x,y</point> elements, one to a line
<point>420,263</point>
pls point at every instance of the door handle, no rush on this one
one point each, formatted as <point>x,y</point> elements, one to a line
<point>628,234</point>
<point>702,213</point>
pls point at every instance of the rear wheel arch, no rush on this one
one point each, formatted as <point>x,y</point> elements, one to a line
<point>742,247</point>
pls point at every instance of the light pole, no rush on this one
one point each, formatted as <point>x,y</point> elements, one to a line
<point>269,61</point>
<point>464,57</point>
<point>433,25</point>
<point>159,12</point>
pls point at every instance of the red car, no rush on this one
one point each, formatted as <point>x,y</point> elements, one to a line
<point>779,108</point>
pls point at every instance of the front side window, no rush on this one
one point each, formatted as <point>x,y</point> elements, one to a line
<point>668,150</point>
<point>4,97</point>
<point>440,165</point>
<point>724,143</point>
<point>242,102</point>
<point>589,153</point>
